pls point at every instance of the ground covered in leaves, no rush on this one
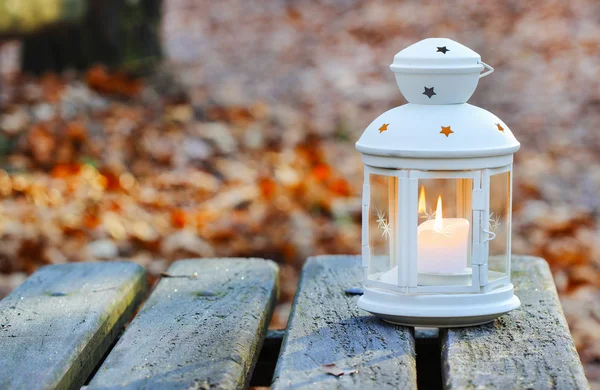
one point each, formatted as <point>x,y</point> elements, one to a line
<point>255,155</point>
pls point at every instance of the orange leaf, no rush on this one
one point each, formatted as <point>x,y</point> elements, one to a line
<point>178,218</point>
<point>204,217</point>
<point>63,171</point>
<point>267,187</point>
<point>116,83</point>
<point>340,187</point>
<point>91,221</point>
<point>289,252</point>
<point>321,172</point>
<point>76,131</point>
<point>111,181</point>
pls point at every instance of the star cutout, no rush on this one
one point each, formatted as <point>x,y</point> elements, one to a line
<point>500,128</point>
<point>442,49</point>
<point>446,131</point>
<point>429,92</point>
<point>383,128</point>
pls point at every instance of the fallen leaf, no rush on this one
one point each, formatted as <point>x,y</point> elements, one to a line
<point>178,218</point>
<point>267,187</point>
<point>116,83</point>
<point>321,172</point>
<point>341,187</point>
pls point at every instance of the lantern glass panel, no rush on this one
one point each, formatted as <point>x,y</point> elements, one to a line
<point>383,218</point>
<point>444,234</point>
<point>499,224</point>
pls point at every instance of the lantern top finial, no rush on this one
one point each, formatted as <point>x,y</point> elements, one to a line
<point>436,54</point>
<point>438,71</point>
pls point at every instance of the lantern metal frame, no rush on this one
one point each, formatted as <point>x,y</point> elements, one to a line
<point>404,144</point>
<point>418,307</point>
<point>406,233</point>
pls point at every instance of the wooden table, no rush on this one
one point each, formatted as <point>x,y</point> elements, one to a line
<point>205,326</point>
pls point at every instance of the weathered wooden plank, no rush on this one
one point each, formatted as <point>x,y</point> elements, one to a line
<point>202,327</point>
<point>529,348</point>
<point>327,327</point>
<point>56,327</point>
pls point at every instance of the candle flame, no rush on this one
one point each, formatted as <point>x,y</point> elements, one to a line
<point>422,203</point>
<point>438,224</point>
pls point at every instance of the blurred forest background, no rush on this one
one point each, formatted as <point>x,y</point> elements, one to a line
<point>239,139</point>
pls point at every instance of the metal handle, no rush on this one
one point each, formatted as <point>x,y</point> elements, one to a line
<point>491,236</point>
<point>489,69</point>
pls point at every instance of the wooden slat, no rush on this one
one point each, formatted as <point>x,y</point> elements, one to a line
<point>56,326</point>
<point>529,348</point>
<point>202,327</point>
<point>327,327</point>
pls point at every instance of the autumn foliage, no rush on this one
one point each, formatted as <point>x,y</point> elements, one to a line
<point>255,156</point>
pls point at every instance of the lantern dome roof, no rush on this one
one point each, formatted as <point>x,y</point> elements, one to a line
<point>437,131</point>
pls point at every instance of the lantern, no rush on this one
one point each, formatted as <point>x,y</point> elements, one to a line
<point>436,224</point>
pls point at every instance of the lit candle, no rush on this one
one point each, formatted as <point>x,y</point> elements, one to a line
<point>443,244</point>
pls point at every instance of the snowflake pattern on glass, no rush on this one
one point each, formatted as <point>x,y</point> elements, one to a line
<point>427,215</point>
<point>494,222</point>
<point>383,225</point>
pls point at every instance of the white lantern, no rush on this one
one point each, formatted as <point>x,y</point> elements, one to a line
<point>437,196</point>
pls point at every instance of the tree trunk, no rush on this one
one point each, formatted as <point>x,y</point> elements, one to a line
<point>118,33</point>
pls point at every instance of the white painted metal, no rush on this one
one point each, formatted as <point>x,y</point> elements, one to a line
<point>444,289</point>
<point>478,199</point>
<point>453,72</point>
<point>366,200</point>
<point>484,236</point>
<point>429,138</point>
<point>495,171</point>
<point>417,174</point>
<point>426,55</point>
<point>413,224</point>
<point>393,220</point>
<point>439,310</point>
<point>414,131</point>
<point>509,238</point>
<point>477,255</point>
<point>438,164</point>
<point>402,233</point>
<point>489,70</point>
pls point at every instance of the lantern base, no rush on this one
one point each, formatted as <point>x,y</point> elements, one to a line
<point>439,310</point>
